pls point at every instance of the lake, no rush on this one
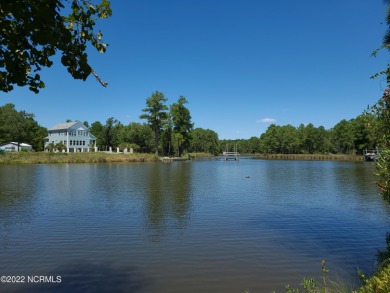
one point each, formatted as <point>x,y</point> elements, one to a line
<point>196,226</point>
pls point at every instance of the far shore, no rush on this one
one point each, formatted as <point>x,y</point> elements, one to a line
<point>314,157</point>
<point>102,157</point>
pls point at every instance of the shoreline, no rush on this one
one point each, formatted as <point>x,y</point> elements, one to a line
<point>103,157</point>
<point>64,158</point>
<point>310,157</point>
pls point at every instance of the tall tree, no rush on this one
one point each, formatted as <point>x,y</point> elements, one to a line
<point>205,140</point>
<point>37,140</point>
<point>138,136</point>
<point>323,143</point>
<point>167,136</point>
<point>364,136</point>
<point>97,129</point>
<point>33,31</point>
<point>182,125</point>
<point>269,141</point>
<point>20,127</point>
<point>343,137</point>
<point>289,139</point>
<point>382,111</point>
<point>253,145</point>
<point>111,131</point>
<point>156,115</point>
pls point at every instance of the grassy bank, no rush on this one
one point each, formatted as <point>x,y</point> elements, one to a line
<point>201,156</point>
<point>325,157</point>
<point>51,158</point>
<point>101,157</point>
<point>378,283</point>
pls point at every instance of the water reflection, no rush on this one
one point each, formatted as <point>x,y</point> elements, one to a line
<point>168,195</point>
<point>201,226</point>
<point>383,255</point>
<point>324,210</point>
<point>18,185</point>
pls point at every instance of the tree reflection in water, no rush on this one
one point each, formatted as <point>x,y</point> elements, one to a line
<point>168,196</point>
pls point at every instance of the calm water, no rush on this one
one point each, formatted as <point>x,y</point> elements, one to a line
<point>199,226</point>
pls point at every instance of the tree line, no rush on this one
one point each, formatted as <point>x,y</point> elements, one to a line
<point>346,137</point>
<point>20,127</point>
<point>169,130</point>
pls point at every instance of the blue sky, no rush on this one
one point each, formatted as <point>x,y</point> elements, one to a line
<point>241,64</point>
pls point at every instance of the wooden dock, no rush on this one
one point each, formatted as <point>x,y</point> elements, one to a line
<point>231,156</point>
<point>235,155</point>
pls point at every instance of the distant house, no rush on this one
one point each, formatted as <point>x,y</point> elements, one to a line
<point>74,135</point>
<point>13,147</point>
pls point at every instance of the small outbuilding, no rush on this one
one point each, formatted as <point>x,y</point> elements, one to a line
<point>13,147</point>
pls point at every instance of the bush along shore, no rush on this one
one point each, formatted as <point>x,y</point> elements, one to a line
<point>377,283</point>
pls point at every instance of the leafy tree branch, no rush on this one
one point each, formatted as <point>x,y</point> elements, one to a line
<point>33,31</point>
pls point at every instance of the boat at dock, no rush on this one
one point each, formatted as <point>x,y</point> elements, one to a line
<point>370,155</point>
<point>170,159</point>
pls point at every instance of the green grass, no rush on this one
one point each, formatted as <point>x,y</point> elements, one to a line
<point>378,283</point>
<point>55,158</point>
<point>201,155</point>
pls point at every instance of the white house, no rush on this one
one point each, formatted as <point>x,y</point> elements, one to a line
<point>13,147</point>
<point>74,135</point>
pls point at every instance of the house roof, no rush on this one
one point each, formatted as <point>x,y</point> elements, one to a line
<point>15,143</point>
<point>64,126</point>
<point>67,125</point>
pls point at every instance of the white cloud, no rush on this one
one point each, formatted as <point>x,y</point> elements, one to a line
<point>266,120</point>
